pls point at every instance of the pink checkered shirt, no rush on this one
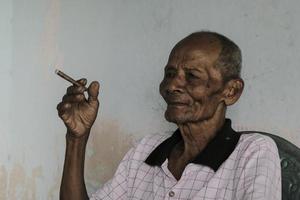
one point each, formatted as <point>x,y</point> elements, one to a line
<point>251,172</point>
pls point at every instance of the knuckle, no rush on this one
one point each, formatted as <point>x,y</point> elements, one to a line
<point>66,105</point>
<point>70,88</point>
<point>79,97</point>
<point>65,97</point>
<point>76,90</point>
<point>60,113</point>
<point>82,81</point>
<point>58,107</point>
<point>81,89</point>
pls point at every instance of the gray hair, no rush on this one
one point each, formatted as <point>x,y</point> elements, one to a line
<point>230,58</point>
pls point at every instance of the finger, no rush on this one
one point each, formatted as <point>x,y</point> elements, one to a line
<point>93,92</point>
<point>74,98</point>
<point>62,108</point>
<point>65,116</point>
<point>75,90</point>
<point>82,81</point>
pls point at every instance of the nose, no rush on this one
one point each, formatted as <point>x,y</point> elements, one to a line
<point>176,84</point>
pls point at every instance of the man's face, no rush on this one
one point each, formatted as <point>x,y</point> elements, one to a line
<point>192,86</point>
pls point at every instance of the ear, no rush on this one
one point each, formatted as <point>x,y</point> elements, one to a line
<point>233,90</point>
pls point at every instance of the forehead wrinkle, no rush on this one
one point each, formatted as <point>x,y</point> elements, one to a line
<point>206,46</point>
<point>176,60</point>
<point>193,54</point>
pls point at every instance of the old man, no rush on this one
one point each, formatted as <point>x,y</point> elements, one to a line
<point>204,158</point>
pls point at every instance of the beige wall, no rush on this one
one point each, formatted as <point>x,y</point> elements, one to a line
<point>124,45</point>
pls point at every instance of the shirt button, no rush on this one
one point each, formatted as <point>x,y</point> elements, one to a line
<point>171,194</point>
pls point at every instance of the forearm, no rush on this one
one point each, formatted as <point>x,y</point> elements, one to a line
<point>73,185</point>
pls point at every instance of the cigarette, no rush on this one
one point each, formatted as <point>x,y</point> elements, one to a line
<point>68,78</point>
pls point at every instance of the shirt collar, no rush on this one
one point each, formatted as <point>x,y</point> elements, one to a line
<point>214,154</point>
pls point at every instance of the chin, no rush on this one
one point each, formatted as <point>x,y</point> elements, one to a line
<point>177,118</point>
<point>181,117</point>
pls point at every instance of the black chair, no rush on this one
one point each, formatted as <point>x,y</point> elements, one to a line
<point>290,166</point>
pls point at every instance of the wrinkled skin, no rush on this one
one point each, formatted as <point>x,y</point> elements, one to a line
<point>77,112</point>
<point>192,86</point>
<point>196,97</point>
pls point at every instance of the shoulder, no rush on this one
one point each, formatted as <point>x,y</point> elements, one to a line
<point>258,167</point>
<point>257,145</point>
<point>257,141</point>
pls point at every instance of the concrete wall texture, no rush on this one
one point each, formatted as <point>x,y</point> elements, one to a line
<point>124,45</point>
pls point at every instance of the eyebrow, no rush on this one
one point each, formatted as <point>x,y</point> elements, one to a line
<point>195,69</point>
<point>170,67</point>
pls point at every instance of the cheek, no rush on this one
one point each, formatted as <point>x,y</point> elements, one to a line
<point>162,86</point>
<point>204,93</point>
<point>204,103</point>
<point>203,109</point>
<point>197,94</point>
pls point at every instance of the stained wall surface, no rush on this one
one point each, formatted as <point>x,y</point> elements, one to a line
<point>124,45</point>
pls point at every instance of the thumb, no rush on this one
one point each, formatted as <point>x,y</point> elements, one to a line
<point>93,92</point>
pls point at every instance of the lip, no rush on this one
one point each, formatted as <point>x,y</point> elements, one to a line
<point>176,100</point>
<point>177,104</point>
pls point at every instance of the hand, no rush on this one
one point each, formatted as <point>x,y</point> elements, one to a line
<point>77,112</point>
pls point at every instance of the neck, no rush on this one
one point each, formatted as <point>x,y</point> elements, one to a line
<point>197,135</point>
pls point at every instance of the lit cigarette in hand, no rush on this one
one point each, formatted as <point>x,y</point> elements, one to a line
<point>68,78</point>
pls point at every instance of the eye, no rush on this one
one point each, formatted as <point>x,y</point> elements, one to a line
<point>170,73</point>
<point>191,75</point>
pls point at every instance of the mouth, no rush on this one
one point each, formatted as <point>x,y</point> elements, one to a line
<point>176,101</point>
<point>177,104</point>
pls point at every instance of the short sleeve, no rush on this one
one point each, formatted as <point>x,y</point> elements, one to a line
<point>261,175</point>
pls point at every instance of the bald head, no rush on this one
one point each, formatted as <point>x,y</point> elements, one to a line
<point>225,53</point>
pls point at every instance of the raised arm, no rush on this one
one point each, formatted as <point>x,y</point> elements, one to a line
<point>78,114</point>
